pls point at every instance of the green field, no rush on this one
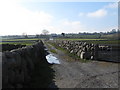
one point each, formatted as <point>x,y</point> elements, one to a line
<point>19,41</point>
<point>32,41</point>
<point>95,41</point>
<point>22,43</point>
<point>80,39</point>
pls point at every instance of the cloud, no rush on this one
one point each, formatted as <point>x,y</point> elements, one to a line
<point>66,26</point>
<point>81,14</point>
<point>71,26</point>
<point>101,12</point>
<point>112,5</point>
<point>97,14</point>
<point>15,19</point>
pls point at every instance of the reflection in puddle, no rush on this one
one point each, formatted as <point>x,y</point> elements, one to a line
<point>52,59</point>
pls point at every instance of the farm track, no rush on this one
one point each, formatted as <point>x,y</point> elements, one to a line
<point>76,74</point>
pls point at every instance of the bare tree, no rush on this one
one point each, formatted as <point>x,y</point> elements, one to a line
<point>25,35</point>
<point>45,32</point>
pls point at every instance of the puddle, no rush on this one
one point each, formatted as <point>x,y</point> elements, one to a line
<point>52,59</point>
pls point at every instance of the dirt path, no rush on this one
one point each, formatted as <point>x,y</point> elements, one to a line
<point>76,74</point>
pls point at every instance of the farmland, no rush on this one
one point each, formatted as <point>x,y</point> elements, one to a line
<point>31,41</point>
<point>59,44</point>
<point>96,41</point>
<point>19,41</point>
<point>72,66</point>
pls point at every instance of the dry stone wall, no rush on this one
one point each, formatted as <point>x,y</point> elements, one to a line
<point>83,50</point>
<point>8,47</point>
<point>19,64</point>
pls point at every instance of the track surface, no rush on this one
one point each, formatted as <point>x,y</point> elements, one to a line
<point>76,74</point>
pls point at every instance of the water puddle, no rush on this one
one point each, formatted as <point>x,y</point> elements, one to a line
<point>52,59</point>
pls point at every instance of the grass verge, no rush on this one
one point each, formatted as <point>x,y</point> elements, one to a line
<point>50,48</point>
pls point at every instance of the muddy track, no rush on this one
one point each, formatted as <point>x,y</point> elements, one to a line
<point>76,74</point>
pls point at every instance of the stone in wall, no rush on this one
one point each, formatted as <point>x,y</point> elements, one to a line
<point>8,47</point>
<point>79,52</point>
<point>82,56</point>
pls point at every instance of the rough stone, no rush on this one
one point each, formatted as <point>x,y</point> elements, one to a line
<point>82,56</point>
<point>19,86</point>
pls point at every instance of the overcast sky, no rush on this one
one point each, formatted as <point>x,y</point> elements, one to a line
<point>19,17</point>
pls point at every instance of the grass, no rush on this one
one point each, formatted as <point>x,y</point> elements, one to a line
<point>19,41</point>
<point>78,39</point>
<point>31,41</point>
<point>95,41</point>
<point>53,51</point>
<point>50,48</point>
<point>22,43</point>
<point>105,42</point>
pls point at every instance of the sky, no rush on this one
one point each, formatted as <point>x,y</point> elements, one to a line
<point>31,17</point>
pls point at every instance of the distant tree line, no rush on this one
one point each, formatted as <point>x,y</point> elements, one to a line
<point>45,34</point>
<point>113,31</point>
